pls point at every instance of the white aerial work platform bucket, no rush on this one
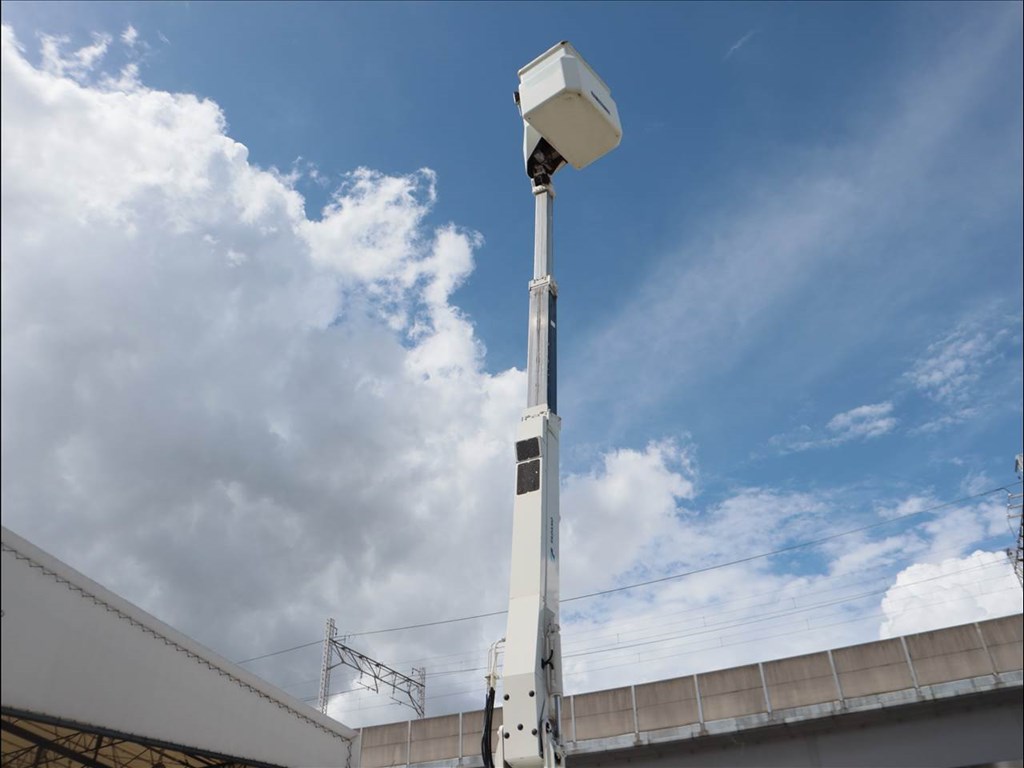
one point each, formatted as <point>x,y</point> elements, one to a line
<point>569,105</point>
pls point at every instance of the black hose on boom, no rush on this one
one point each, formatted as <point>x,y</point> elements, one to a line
<point>485,741</point>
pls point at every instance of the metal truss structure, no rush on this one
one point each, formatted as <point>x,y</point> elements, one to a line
<point>31,740</point>
<point>1014,508</point>
<point>373,675</point>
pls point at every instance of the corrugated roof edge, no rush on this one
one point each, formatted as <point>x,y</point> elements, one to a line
<point>148,623</point>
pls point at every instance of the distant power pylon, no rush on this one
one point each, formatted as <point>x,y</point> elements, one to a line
<point>411,691</point>
<point>1014,503</point>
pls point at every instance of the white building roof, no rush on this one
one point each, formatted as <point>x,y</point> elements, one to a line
<point>85,671</point>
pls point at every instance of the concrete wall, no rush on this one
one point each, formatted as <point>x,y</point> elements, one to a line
<point>667,703</point>
<point>977,732</point>
<point>872,668</point>
<point>957,661</point>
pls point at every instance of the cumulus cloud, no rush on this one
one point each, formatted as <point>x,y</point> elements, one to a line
<point>210,400</point>
<point>77,64</point>
<point>933,533</point>
<point>645,501</point>
<point>928,596</point>
<point>633,499</point>
<point>247,419</point>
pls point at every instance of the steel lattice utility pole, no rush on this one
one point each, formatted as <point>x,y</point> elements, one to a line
<point>1014,504</point>
<point>330,633</point>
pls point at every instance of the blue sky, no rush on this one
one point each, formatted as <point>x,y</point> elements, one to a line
<point>790,305</point>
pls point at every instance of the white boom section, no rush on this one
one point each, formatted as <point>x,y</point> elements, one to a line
<point>532,671</point>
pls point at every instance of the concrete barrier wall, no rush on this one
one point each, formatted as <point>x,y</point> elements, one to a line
<point>604,713</point>
<point>667,704</point>
<point>435,738</point>
<point>732,692</point>
<point>1005,640</point>
<point>801,681</point>
<point>947,655</point>
<point>473,728</point>
<point>385,744</point>
<point>871,668</point>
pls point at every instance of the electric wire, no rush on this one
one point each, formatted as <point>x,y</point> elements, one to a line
<point>722,626</point>
<point>645,639</point>
<point>760,618</point>
<point>743,641</point>
<point>620,626</point>
<point>620,630</point>
<point>660,580</point>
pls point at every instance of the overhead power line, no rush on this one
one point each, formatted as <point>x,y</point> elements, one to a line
<point>743,622</point>
<point>746,639</point>
<point>624,627</point>
<point>708,616</point>
<point>662,579</point>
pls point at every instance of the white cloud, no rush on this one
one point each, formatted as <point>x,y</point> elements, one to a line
<point>954,372</point>
<point>754,272</point>
<point>911,505</point>
<point>865,421</point>
<point>76,64</point>
<point>976,481</point>
<point>928,596</point>
<point>130,36</point>
<point>247,420</point>
<point>858,555</point>
<point>616,516</point>
<point>950,366</point>
<point>956,530</point>
<point>242,419</point>
<point>634,520</point>
<point>740,43</point>
<point>861,423</point>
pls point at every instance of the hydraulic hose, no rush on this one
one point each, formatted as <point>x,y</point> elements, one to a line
<point>485,741</point>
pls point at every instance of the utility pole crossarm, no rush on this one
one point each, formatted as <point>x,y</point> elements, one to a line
<point>379,674</point>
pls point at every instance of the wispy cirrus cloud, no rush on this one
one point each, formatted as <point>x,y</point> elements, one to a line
<point>739,44</point>
<point>760,266</point>
<point>954,377</point>
<point>861,423</point>
<point>952,371</point>
<point>865,421</point>
<point>130,36</point>
<point>951,365</point>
